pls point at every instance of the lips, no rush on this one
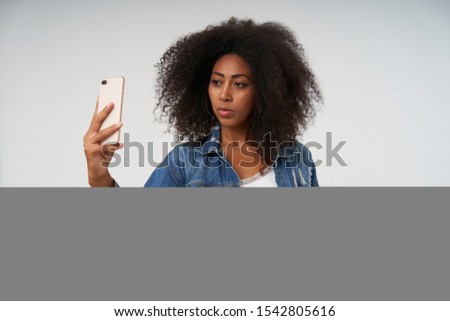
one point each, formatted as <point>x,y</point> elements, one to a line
<point>225,112</point>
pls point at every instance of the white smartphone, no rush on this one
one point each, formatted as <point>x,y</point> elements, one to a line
<point>111,90</point>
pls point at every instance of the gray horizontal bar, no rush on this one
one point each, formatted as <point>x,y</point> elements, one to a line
<point>225,244</point>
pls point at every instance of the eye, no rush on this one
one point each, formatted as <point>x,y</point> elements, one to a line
<point>215,82</point>
<point>240,84</point>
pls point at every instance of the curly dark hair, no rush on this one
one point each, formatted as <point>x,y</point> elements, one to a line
<point>286,91</point>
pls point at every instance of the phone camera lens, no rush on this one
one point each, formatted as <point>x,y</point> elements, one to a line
<point>103,82</point>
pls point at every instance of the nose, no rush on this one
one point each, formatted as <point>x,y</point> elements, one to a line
<point>225,94</point>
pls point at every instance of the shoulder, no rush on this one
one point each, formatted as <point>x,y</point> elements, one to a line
<point>180,153</point>
<point>306,154</point>
<point>299,152</point>
<point>171,172</point>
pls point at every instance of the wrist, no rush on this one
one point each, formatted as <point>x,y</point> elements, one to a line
<point>104,181</point>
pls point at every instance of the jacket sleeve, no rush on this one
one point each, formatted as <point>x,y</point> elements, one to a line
<point>307,163</point>
<point>170,173</point>
<point>313,177</point>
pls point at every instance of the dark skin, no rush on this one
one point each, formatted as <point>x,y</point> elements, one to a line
<point>99,156</point>
<point>231,91</point>
<point>286,91</point>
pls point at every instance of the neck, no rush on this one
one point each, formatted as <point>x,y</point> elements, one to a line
<point>234,134</point>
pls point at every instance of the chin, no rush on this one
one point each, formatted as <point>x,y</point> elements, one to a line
<point>228,122</point>
<point>231,122</point>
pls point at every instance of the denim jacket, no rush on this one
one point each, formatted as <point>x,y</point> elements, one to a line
<point>204,165</point>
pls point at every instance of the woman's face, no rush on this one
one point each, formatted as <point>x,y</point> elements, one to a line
<point>231,91</point>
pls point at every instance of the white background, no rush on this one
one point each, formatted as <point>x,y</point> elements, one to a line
<point>343,310</point>
<point>383,67</point>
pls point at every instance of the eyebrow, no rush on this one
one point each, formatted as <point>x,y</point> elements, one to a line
<point>233,76</point>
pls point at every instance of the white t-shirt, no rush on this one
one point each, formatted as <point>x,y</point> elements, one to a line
<point>265,178</point>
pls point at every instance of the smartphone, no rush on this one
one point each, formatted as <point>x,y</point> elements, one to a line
<point>111,90</point>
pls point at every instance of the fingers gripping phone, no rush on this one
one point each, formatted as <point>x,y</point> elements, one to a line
<point>111,90</point>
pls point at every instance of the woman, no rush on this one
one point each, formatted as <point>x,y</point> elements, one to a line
<point>239,93</point>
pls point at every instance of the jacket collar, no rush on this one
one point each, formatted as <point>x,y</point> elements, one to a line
<point>212,144</point>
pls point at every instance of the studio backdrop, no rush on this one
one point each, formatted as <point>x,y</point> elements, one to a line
<point>383,68</point>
